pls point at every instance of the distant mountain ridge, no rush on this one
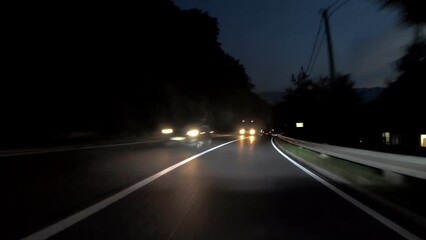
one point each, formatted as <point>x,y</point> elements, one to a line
<point>366,94</point>
<point>271,97</point>
<point>369,94</point>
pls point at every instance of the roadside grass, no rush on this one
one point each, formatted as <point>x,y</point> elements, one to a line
<point>352,172</point>
<point>391,187</point>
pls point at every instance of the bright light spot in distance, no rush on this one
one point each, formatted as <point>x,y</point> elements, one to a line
<point>193,133</point>
<point>423,140</point>
<point>252,131</point>
<point>299,125</point>
<point>242,131</point>
<point>211,131</point>
<point>167,131</point>
<point>386,137</point>
<point>177,138</point>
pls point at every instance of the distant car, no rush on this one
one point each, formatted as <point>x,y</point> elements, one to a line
<point>268,132</point>
<point>247,131</point>
<point>193,135</point>
<point>247,128</point>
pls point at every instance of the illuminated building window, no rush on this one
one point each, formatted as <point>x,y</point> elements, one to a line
<point>423,140</point>
<point>386,137</point>
<point>299,125</point>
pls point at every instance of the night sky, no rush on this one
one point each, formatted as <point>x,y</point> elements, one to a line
<point>274,38</point>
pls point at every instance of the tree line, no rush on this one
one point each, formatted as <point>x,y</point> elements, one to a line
<point>86,70</point>
<point>332,111</point>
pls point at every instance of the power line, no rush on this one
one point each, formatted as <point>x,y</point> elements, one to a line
<point>333,7</point>
<point>317,54</point>
<point>334,4</point>
<point>315,44</point>
<point>337,8</point>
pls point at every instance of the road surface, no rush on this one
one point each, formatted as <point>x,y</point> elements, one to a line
<point>239,190</point>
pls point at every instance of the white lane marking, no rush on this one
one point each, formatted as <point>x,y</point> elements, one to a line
<point>77,217</point>
<point>386,221</point>
<point>66,149</point>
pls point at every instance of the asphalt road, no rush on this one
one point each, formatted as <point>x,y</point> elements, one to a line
<point>242,190</point>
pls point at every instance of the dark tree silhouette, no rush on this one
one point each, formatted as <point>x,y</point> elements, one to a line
<point>413,12</point>
<point>401,103</point>
<point>95,71</point>
<point>326,107</point>
<point>397,109</point>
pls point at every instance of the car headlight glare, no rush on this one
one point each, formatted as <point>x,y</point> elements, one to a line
<point>193,133</point>
<point>242,131</point>
<point>252,131</point>
<point>167,131</point>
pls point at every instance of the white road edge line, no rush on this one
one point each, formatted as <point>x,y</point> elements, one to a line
<point>384,220</point>
<point>77,217</point>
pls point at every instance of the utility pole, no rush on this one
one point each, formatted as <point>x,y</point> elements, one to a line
<point>326,16</point>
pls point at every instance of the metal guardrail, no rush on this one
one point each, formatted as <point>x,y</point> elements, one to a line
<point>402,164</point>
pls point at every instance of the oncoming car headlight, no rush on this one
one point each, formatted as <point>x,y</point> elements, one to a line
<point>242,131</point>
<point>193,133</point>
<point>167,131</point>
<point>252,131</point>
